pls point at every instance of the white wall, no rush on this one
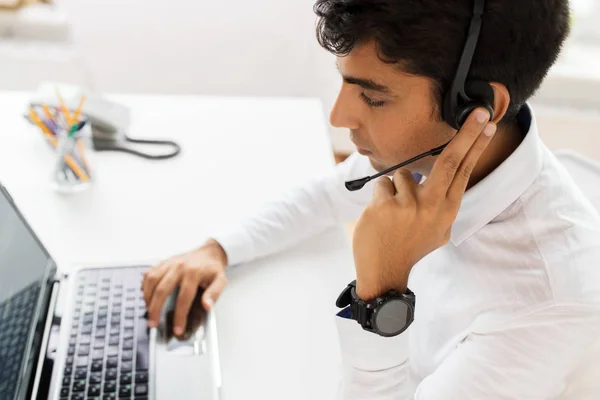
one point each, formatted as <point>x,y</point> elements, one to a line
<point>257,48</point>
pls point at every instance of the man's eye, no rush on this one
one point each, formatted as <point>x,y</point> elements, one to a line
<point>370,102</point>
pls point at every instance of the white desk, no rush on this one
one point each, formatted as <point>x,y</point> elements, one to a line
<point>138,210</point>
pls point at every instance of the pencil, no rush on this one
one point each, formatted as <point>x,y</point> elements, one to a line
<point>68,159</point>
<point>81,148</point>
<point>64,107</point>
<point>79,107</point>
<point>47,112</point>
<point>36,119</point>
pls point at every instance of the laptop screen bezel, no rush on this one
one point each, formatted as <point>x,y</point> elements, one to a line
<point>35,335</point>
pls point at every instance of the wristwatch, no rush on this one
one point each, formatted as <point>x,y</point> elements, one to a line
<point>388,315</point>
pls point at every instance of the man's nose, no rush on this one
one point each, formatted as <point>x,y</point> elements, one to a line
<point>342,114</point>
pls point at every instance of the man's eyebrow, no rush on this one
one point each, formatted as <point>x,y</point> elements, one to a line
<point>365,83</point>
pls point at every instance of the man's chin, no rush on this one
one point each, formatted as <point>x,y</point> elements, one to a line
<point>379,166</point>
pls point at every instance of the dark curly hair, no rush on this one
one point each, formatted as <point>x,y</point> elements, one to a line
<point>519,42</point>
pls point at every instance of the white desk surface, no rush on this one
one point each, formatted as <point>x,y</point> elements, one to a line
<point>276,319</point>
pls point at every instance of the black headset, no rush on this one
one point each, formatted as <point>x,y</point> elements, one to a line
<point>463,97</point>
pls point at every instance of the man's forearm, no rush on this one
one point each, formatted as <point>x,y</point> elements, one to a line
<point>304,212</point>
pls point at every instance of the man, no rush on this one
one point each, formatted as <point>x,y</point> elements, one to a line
<point>505,274</point>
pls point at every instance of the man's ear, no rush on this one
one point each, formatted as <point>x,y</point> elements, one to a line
<point>501,101</point>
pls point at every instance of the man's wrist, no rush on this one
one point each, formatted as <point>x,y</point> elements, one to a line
<point>369,291</point>
<point>216,250</point>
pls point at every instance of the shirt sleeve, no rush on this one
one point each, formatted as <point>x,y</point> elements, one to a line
<point>525,357</point>
<point>305,211</point>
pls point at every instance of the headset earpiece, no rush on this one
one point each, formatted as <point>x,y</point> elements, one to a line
<point>479,93</point>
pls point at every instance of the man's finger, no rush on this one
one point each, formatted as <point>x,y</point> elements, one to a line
<point>185,298</point>
<point>446,166</point>
<point>213,291</point>
<point>166,286</point>
<point>461,181</point>
<point>151,279</point>
<point>383,189</point>
<point>405,185</point>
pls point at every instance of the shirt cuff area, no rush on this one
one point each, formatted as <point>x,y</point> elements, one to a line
<point>368,351</point>
<point>238,246</point>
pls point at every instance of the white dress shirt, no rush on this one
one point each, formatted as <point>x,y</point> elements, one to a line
<point>509,309</point>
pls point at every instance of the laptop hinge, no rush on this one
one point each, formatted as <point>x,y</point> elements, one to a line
<point>45,364</point>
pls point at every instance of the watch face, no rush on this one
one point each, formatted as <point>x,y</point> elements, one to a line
<point>392,317</point>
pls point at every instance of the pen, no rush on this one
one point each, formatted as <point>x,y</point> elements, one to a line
<point>68,159</point>
<point>79,107</point>
<point>64,107</point>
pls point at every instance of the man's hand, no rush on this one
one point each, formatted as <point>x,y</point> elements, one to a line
<point>204,267</point>
<point>406,221</point>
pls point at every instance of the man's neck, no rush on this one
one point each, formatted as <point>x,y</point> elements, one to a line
<point>505,142</point>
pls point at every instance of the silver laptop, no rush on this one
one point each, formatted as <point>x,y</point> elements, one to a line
<point>85,336</point>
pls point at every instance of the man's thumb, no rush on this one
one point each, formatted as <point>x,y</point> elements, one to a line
<point>213,291</point>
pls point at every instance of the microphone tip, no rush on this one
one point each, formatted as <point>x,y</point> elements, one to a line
<point>358,184</point>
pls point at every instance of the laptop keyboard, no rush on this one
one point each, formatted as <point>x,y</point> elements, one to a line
<point>15,318</point>
<point>108,350</point>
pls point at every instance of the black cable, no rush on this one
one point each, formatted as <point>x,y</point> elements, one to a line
<point>109,145</point>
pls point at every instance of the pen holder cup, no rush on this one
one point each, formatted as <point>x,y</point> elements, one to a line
<point>72,171</point>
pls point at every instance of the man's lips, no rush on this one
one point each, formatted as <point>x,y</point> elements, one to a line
<point>363,152</point>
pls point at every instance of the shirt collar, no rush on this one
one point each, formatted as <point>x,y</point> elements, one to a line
<point>497,191</point>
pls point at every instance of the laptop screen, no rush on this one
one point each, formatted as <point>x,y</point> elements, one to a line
<point>26,270</point>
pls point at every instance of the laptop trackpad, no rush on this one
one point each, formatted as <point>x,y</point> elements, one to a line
<point>184,368</point>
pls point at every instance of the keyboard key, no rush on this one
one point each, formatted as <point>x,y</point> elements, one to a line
<point>94,390</point>
<point>113,351</point>
<point>127,355</point>
<point>128,344</point>
<point>64,392</point>
<point>100,333</point>
<point>85,339</point>
<point>112,362</point>
<point>98,354</point>
<point>110,387</point>
<point>70,360</point>
<point>84,350</point>
<point>126,366</point>
<point>101,322</point>
<point>114,340</point>
<point>79,385</point>
<point>111,374</point>
<point>125,391</point>
<point>86,329</point>
<point>128,323</point>
<point>115,319</point>
<point>77,396</point>
<point>115,330</point>
<point>68,371</point>
<point>109,396</point>
<point>66,381</point>
<point>125,378</point>
<point>128,333</point>
<point>141,389</point>
<point>82,361</point>
<point>73,341</point>
<point>95,378</point>
<point>71,350</point>
<point>97,366</point>
<point>88,318</point>
<point>141,377</point>
<point>81,373</point>
<point>99,343</point>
